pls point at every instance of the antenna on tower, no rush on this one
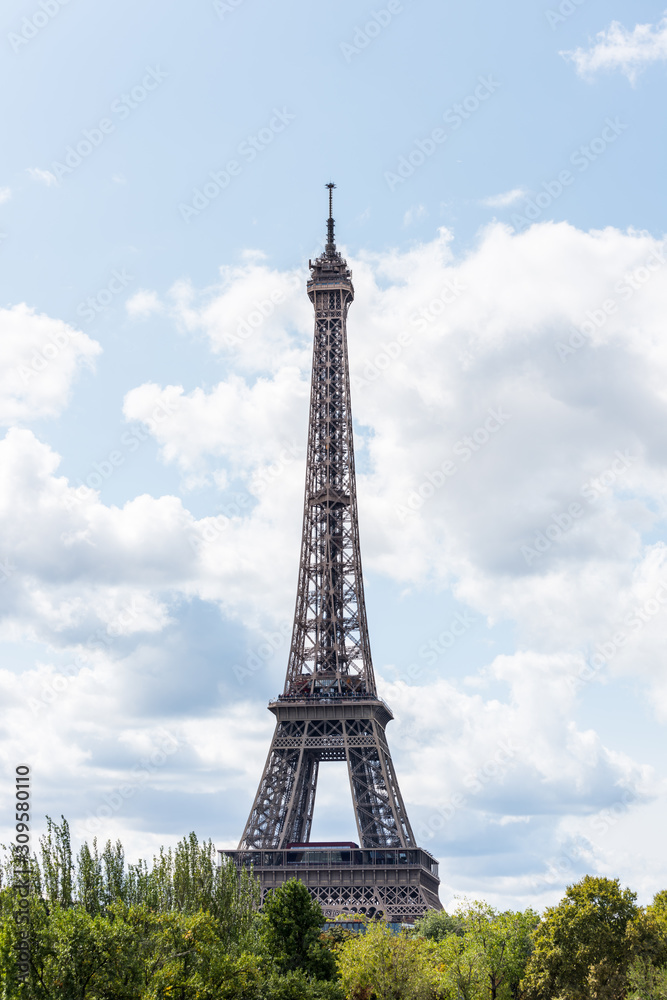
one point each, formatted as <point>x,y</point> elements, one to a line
<point>331,245</point>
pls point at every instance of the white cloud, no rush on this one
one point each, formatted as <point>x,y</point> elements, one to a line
<point>252,304</point>
<point>5,194</point>
<point>541,751</point>
<point>413,214</point>
<point>43,176</point>
<point>235,420</point>
<point>511,760</point>
<point>505,199</point>
<point>143,304</point>
<point>75,564</point>
<point>452,360</point>
<point>494,328</point>
<point>618,47</point>
<point>39,359</point>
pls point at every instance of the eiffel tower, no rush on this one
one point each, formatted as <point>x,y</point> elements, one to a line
<point>329,709</point>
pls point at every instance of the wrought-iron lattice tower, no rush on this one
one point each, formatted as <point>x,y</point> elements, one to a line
<point>329,709</point>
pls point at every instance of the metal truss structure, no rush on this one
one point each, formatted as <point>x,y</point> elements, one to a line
<point>329,709</point>
<point>398,884</point>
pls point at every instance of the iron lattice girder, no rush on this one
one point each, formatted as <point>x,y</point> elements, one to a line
<point>401,885</point>
<point>306,733</point>
<point>330,647</point>
<point>329,710</point>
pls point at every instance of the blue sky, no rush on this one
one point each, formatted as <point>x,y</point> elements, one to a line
<point>500,172</point>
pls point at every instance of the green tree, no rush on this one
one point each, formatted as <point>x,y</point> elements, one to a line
<point>436,925</point>
<point>291,924</point>
<point>658,908</point>
<point>69,954</point>
<point>298,986</point>
<point>647,932</point>
<point>498,945</point>
<point>189,879</point>
<point>101,929</point>
<point>646,936</point>
<point>57,865</point>
<point>581,948</point>
<point>11,927</point>
<point>460,967</point>
<point>89,879</point>
<point>381,965</point>
<point>184,958</point>
<point>646,981</point>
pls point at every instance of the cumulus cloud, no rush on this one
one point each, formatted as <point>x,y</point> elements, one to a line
<point>252,304</point>
<point>74,565</point>
<point>235,421</point>
<point>504,199</point>
<point>39,359</point>
<point>143,304</point>
<point>519,773</point>
<point>617,47</point>
<point>510,407</point>
<point>116,771</point>
<point>493,460</point>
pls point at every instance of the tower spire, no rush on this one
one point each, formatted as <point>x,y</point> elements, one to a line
<point>331,243</point>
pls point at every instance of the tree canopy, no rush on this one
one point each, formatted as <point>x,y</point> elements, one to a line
<point>581,946</point>
<point>182,927</point>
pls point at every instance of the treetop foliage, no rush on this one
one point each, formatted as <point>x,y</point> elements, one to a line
<point>182,927</point>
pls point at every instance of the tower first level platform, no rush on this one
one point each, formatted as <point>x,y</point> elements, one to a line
<point>398,885</point>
